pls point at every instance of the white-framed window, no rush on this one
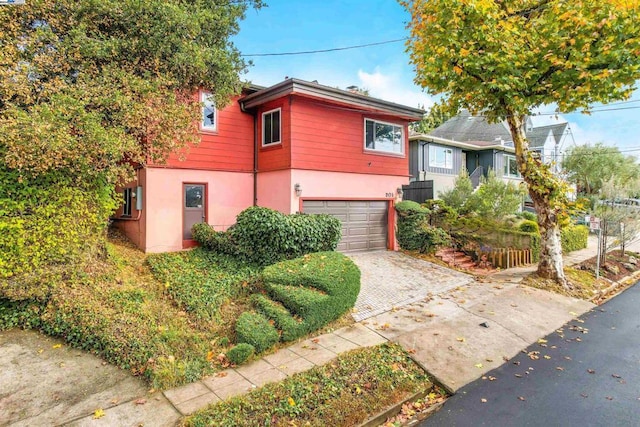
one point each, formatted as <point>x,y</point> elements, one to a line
<point>126,207</point>
<point>440,157</point>
<point>383,137</point>
<point>271,127</point>
<point>511,166</point>
<point>209,113</point>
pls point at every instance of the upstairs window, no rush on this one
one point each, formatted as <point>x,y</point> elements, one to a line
<point>440,157</point>
<point>511,166</point>
<point>271,127</point>
<point>383,137</point>
<point>209,113</point>
<point>126,207</point>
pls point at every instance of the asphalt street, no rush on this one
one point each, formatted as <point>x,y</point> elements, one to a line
<point>584,374</point>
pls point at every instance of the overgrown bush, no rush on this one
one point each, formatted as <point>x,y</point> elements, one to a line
<point>528,226</point>
<point>48,235</point>
<point>240,353</point>
<point>217,241</point>
<point>414,232</point>
<point>458,196</point>
<point>265,236</point>
<point>255,329</point>
<point>527,215</point>
<point>574,237</point>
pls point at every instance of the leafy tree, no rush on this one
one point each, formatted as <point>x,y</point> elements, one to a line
<point>88,90</point>
<point>437,115</point>
<point>505,58</point>
<point>590,167</point>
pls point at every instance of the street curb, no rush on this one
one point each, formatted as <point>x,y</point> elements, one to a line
<point>381,416</point>
<point>623,283</point>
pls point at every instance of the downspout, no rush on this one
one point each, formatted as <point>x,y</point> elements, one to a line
<point>255,152</point>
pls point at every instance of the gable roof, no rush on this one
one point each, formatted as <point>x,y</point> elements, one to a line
<point>330,94</point>
<point>472,130</point>
<point>466,130</point>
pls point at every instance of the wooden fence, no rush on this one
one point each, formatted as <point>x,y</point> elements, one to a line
<point>418,191</point>
<point>504,257</point>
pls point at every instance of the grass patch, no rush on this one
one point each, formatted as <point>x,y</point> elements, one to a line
<point>201,281</point>
<point>344,392</point>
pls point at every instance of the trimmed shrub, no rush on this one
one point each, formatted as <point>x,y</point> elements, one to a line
<point>574,237</point>
<point>265,236</point>
<point>240,353</point>
<point>217,241</point>
<point>291,328</point>
<point>409,207</point>
<point>527,215</point>
<point>317,288</point>
<point>528,226</point>
<point>255,329</point>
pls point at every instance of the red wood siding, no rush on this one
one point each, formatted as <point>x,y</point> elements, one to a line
<point>230,148</point>
<point>331,138</point>
<point>278,156</point>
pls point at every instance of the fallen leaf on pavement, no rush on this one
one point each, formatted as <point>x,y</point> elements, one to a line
<point>57,346</point>
<point>460,339</point>
<point>616,376</point>
<point>591,371</point>
<point>559,368</point>
<point>518,376</point>
<point>140,401</point>
<point>584,395</point>
<point>98,413</point>
<point>521,398</point>
<point>492,378</point>
<point>542,341</point>
<point>547,357</point>
<point>483,400</point>
<point>478,365</point>
<point>221,374</point>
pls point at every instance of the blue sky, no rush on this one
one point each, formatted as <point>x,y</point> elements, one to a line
<point>303,25</point>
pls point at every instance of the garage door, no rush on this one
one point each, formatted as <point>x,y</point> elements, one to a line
<point>364,223</point>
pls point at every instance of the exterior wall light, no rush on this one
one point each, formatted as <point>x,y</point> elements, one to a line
<point>399,191</point>
<point>298,189</point>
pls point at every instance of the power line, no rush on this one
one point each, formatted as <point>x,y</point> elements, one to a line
<point>307,52</point>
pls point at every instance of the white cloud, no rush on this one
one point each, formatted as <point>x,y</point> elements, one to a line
<point>391,87</point>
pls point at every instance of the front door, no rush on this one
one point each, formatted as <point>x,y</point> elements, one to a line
<point>194,201</point>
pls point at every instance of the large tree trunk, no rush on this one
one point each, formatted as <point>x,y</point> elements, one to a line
<point>540,190</point>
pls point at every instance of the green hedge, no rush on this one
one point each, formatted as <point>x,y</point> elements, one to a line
<point>529,226</point>
<point>240,353</point>
<point>265,236</point>
<point>574,237</point>
<point>414,232</point>
<point>255,329</point>
<point>306,293</point>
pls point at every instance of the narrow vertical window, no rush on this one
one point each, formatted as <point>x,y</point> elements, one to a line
<point>271,127</point>
<point>209,112</point>
<point>126,207</point>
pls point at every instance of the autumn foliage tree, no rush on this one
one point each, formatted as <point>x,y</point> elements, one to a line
<point>88,89</point>
<point>505,58</point>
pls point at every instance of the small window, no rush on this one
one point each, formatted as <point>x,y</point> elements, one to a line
<point>271,127</point>
<point>209,112</point>
<point>440,157</point>
<point>126,207</point>
<point>511,166</point>
<point>384,137</point>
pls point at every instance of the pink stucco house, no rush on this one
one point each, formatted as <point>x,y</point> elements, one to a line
<point>296,146</point>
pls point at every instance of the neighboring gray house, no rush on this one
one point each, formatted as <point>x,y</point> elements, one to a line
<point>471,142</point>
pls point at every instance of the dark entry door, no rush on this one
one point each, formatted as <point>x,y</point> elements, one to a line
<point>194,202</point>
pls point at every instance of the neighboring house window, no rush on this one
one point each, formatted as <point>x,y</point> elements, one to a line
<point>126,208</point>
<point>440,157</point>
<point>511,166</point>
<point>271,127</point>
<point>209,112</point>
<point>384,137</point>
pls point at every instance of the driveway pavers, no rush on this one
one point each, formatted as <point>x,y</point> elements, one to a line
<point>393,279</point>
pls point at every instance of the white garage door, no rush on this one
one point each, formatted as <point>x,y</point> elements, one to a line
<point>364,223</point>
